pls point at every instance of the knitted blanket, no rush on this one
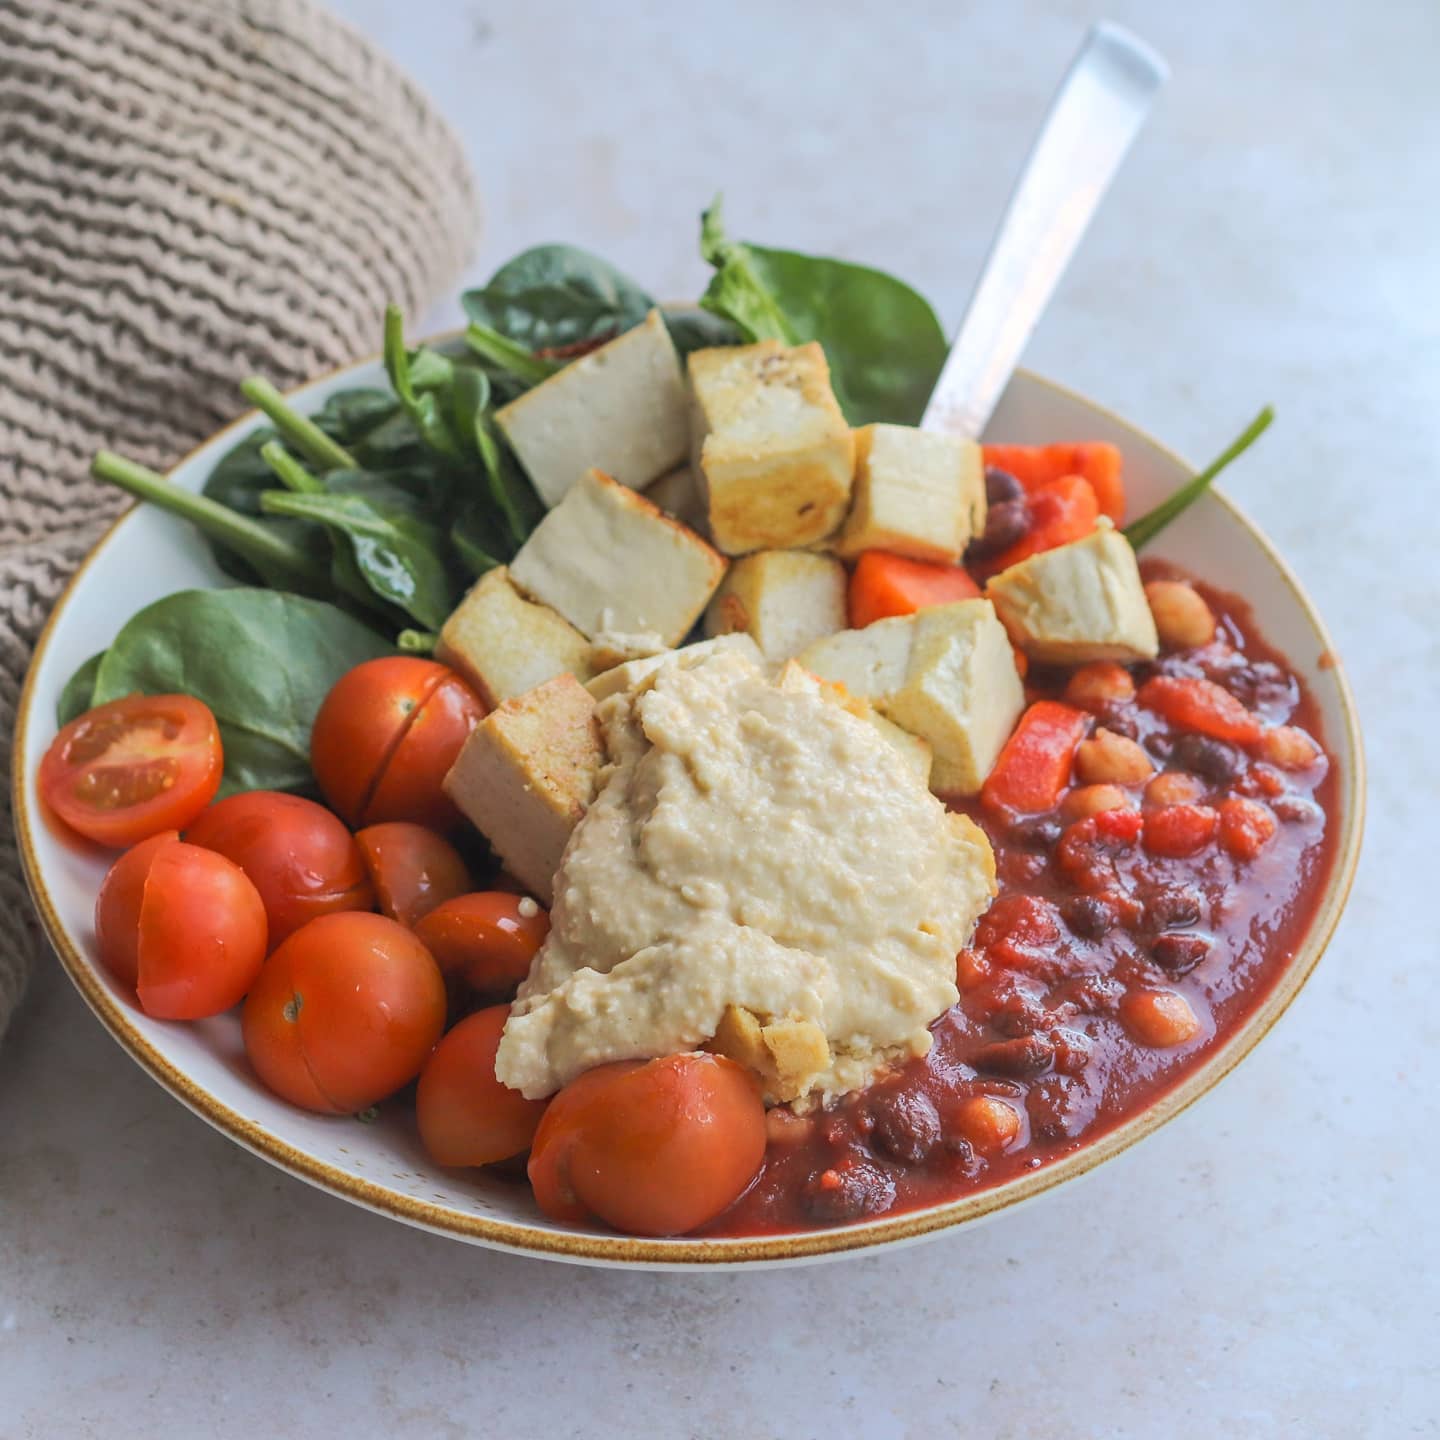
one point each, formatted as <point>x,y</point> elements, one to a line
<point>191,191</point>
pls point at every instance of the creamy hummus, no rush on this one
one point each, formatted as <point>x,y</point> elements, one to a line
<point>749,847</point>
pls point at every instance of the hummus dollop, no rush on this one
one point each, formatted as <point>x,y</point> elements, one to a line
<point>752,849</point>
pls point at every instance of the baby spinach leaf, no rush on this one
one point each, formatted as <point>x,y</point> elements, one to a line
<point>420,377</point>
<point>78,696</point>
<point>352,416</point>
<point>398,551</point>
<point>478,539</point>
<point>694,329</point>
<point>493,347</point>
<point>262,660</point>
<point>883,342</point>
<point>554,296</point>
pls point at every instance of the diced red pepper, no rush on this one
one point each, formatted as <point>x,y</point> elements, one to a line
<point>1246,827</point>
<point>1061,511</point>
<point>1034,766</point>
<point>1200,705</point>
<point>884,585</point>
<point>1176,831</point>
<point>1035,466</point>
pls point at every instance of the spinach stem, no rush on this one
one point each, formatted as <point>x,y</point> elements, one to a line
<point>1149,525</point>
<point>307,437</point>
<point>491,345</point>
<point>246,537</point>
<point>289,471</point>
<point>416,642</point>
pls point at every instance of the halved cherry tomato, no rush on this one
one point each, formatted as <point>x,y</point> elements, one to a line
<point>183,925</point>
<point>413,869</point>
<point>466,1116</point>
<point>651,1147</point>
<point>344,1013</point>
<point>488,938</point>
<point>125,771</point>
<point>299,856</point>
<point>385,737</point>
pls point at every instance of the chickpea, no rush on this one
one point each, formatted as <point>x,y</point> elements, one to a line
<point>1110,759</point>
<point>1159,1018</point>
<point>990,1125</point>
<point>1087,800</point>
<point>1102,682</point>
<point>1288,748</point>
<point>1182,617</point>
<point>1173,787</point>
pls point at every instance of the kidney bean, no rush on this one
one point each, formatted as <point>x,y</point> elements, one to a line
<point>1027,1055</point>
<point>1001,485</point>
<point>906,1124</point>
<point>1180,953</point>
<point>1160,745</point>
<point>1090,916</point>
<point>1039,832</point>
<point>1005,525</point>
<point>1211,759</point>
<point>847,1191</point>
<point>1171,907</point>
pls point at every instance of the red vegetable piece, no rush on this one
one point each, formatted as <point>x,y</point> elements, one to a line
<point>1190,703</point>
<point>1177,831</point>
<point>1034,766</point>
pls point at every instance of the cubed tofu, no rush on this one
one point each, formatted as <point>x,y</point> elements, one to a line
<point>914,751</point>
<point>917,493</point>
<point>633,672</point>
<point>1078,602</point>
<point>678,495</point>
<point>783,599</point>
<point>607,559</point>
<point>504,644</point>
<point>622,408</point>
<point>946,675</point>
<point>770,445</point>
<point>527,774</point>
<point>962,693</point>
<point>871,662</point>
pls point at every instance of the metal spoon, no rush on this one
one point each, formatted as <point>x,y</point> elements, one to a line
<point>1094,117</point>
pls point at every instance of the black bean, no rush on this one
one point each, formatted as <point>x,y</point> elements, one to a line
<point>1172,907</point>
<point>1160,745</point>
<point>1210,759</point>
<point>1037,833</point>
<point>1118,717</point>
<point>848,1191</point>
<point>1180,953</point>
<point>1005,523</point>
<point>1001,485</point>
<point>906,1124</point>
<point>1029,1055</point>
<point>1294,809</point>
<point>1089,916</point>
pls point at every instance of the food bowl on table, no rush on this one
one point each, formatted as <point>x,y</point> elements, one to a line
<point>380,1163</point>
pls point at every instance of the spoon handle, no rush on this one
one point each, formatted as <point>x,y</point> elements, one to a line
<point>1094,117</point>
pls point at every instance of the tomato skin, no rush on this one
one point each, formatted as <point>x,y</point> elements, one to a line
<point>133,768</point>
<point>369,765</point>
<point>117,907</point>
<point>200,933</point>
<point>1191,703</point>
<point>485,938</point>
<point>299,856</point>
<point>410,786</point>
<point>344,1013</point>
<point>466,1116</point>
<point>651,1147</point>
<point>412,869</point>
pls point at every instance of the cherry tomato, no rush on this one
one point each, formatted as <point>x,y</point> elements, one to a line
<point>183,925</point>
<point>413,869</point>
<point>651,1147</point>
<point>301,859</point>
<point>488,938</point>
<point>344,1013</point>
<point>125,771</point>
<point>466,1116</point>
<point>386,736</point>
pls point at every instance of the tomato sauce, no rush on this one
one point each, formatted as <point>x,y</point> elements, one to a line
<point>1075,929</point>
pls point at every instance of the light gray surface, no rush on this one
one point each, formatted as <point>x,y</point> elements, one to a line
<point>1266,1266</point>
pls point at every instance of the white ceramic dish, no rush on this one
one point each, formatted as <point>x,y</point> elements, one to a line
<point>148,554</point>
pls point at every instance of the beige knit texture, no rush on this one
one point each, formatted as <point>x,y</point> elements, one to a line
<point>191,191</point>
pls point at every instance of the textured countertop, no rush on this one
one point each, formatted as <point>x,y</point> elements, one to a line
<point>1268,1265</point>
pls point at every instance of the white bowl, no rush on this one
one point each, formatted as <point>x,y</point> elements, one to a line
<point>148,554</point>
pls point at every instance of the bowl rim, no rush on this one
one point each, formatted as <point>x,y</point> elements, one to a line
<point>598,1248</point>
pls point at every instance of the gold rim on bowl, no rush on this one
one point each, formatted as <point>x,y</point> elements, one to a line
<point>595,1248</point>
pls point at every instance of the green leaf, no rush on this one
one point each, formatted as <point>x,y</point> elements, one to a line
<point>419,376</point>
<point>1148,526</point>
<point>78,696</point>
<point>299,432</point>
<point>399,552</point>
<point>478,540</point>
<point>506,355</point>
<point>351,417</point>
<point>555,296</point>
<point>262,660</point>
<point>695,329</point>
<point>882,340</point>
